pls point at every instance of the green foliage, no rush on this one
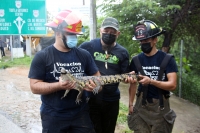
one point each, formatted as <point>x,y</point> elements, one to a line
<point>122,118</point>
<point>6,62</point>
<point>129,12</point>
<point>122,113</point>
<point>190,89</point>
<point>84,37</point>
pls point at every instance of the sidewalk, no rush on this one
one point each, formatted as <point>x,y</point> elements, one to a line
<point>7,126</point>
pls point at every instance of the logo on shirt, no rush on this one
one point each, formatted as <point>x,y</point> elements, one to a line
<point>152,72</point>
<point>74,68</point>
<point>106,58</point>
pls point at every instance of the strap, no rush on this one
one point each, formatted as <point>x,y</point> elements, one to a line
<point>160,74</point>
<point>144,88</point>
<point>163,65</point>
<point>138,65</point>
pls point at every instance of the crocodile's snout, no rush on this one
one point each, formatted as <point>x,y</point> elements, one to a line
<point>63,71</point>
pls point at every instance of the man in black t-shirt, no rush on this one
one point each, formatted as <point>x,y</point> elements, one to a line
<point>63,115</point>
<point>111,58</point>
<point>151,112</point>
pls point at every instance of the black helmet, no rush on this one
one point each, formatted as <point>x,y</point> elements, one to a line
<point>146,29</point>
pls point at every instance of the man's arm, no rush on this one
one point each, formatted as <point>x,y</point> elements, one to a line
<point>97,74</point>
<point>169,85</point>
<point>132,93</point>
<point>41,87</point>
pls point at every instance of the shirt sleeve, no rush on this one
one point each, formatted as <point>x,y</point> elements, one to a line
<point>133,67</point>
<point>91,67</point>
<point>125,64</point>
<point>84,45</point>
<point>172,66</point>
<point>37,69</point>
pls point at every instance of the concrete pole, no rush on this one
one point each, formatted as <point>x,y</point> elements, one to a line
<point>28,46</point>
<point>180,71</point>
<point>11,47</point>
<point>93,19</point>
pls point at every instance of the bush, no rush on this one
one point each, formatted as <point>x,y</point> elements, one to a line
<point>190,88</point>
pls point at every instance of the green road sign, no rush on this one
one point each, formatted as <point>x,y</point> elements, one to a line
<point>26,17</point>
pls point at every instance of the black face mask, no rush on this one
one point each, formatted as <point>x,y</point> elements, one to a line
<point>146,47</point>
<point>108,39</point>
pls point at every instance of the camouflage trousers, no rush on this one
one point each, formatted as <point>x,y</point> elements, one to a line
<point>150,118</point>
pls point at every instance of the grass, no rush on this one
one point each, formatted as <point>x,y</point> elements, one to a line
<point>122,119</point>
<point>6,62</point>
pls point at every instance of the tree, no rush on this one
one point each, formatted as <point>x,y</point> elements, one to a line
<point>173,15</point>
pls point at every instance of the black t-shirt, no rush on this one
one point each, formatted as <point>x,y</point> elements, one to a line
<point>46,66</point>
<point>118,63</point>
<point>151,67</point>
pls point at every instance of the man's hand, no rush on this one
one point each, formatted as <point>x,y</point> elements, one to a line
<point>130,79</point>
<point>90,86</point>
<point>131,109</point>
<point>66,85</point>
<point>144,80</point>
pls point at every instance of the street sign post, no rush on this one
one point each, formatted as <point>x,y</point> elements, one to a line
<point>22,17</point>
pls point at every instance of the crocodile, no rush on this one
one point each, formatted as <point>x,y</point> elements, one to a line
<point>80,82</point>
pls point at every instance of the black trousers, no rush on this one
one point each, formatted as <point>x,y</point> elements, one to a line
<point>2,51</point>
<point>104,115</point>
<point>81,123</point>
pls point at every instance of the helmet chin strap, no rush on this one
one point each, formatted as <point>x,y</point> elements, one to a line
<point>64,41</point>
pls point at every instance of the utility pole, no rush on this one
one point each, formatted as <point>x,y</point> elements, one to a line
<point>181,66</point>
<point>83,2</point>
<point>93,19</point>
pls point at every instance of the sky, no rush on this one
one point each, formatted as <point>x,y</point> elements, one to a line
<point>53,6</point>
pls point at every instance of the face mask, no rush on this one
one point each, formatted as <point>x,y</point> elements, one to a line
<point>146,47</point>
<point>70,41</point>
<point>108,39</point>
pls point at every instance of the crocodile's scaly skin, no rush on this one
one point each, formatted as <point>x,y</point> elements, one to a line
<point>98,80</point>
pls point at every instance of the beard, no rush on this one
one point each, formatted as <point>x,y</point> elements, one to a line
<point>106,47</point>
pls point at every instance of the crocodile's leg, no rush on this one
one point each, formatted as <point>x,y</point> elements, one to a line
<point>96,89</point>
<point>78,98</point>
<point>66,92</point>
<point>66,76</point>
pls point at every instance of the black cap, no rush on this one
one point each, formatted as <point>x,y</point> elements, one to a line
<point>110,22</point>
